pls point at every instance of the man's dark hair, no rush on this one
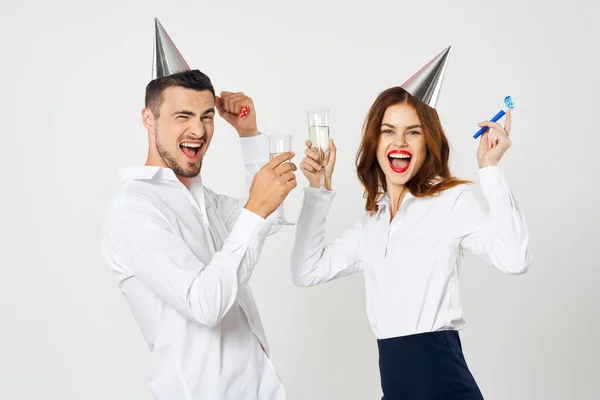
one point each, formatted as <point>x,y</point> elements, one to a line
<point>193,79</point>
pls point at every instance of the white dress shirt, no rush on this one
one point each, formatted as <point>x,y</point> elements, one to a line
<point>182,259</point>
<point>411,264</point>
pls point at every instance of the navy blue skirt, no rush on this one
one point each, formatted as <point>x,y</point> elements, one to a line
<point>425,366</point>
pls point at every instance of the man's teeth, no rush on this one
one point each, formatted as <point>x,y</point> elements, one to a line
<point>191,145</point>
<point>400,156</point>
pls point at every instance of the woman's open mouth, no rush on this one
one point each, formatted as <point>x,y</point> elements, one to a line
<point>399,160</point>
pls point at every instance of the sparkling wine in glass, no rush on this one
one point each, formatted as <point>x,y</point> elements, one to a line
<point>318,130</point>
<point>279,144</point>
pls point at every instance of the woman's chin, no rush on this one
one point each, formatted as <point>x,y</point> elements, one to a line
<point>397,179</point>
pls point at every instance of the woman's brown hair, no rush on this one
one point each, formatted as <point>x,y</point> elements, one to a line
<point>424,183</point>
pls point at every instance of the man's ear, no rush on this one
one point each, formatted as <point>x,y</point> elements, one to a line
<point>148,120</point>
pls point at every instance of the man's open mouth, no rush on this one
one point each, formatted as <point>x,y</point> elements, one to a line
<point>191,149</point>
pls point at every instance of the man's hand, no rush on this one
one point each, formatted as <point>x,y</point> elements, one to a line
<point>238,110</point>
<point>271,185</point>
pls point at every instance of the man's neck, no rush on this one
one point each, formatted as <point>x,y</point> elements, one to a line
<point>187,182</point>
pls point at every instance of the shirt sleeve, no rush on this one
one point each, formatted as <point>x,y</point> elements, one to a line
<point>501,237</point>
<point>312,261</point>
<point>255,151</point>
<point>140,241</point>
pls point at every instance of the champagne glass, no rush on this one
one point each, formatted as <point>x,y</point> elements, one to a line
<point>318,130</point>
<point>279,144</point>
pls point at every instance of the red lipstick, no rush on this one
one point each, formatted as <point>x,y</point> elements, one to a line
<point>404,156</point>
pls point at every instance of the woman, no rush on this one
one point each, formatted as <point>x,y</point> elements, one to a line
<point>418,220</point>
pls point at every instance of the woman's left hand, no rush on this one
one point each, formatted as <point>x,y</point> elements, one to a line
<point>494,142</point>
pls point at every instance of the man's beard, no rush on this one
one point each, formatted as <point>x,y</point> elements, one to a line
<point>190,172</point>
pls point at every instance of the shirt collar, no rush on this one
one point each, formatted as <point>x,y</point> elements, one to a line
<point>147,172</point>
<point>139,173</point>
<point>385,201</point>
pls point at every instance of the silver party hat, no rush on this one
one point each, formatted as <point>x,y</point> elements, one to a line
<point>167,59</point>
<point>427,82</point>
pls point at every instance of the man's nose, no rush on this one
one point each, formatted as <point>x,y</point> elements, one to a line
<point>198,129</point>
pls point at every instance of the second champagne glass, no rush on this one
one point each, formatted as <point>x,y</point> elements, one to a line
<point>318,130</point>
<point>279,144</point>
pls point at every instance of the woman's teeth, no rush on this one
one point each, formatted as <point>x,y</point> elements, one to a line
<point>399,156</point>
<point>399,161</point>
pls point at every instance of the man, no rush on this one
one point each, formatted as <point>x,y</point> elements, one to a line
<point>182,254</point>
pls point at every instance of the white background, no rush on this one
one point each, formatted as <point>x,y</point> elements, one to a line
<point>72,79</point>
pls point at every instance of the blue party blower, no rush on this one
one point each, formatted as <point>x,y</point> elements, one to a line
<point>509,103</point>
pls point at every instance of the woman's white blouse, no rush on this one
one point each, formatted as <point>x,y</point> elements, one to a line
<point>411,264</point>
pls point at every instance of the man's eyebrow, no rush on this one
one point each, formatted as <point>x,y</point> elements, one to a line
<point>185,112</point>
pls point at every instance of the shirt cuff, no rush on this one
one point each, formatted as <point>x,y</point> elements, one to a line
<point>318,192</point>
<point>250,228</point>
<point>317,199</point>
<point>496,190</point>
<point>255,149</point>
<point>492,180</point>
